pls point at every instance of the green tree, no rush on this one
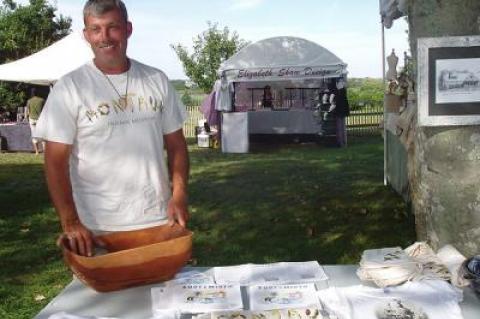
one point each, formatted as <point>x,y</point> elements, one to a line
<point>187,99</point>
<point>24,30</point>
<point>210,49</point>
<point>366,91</point>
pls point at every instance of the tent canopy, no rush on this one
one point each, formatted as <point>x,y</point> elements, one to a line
<point>48,65</point>
<point>282,58</point>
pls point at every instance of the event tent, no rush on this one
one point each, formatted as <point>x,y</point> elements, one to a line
<point>282,58</point>
<point>295,71</point>
<point>48,65</point>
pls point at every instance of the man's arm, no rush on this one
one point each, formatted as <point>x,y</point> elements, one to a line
<point>178,164</point>
<point>58,180</point>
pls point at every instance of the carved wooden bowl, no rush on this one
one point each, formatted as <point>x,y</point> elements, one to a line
<point>133,258</point>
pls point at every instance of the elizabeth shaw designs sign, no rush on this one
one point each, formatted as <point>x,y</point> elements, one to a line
<point>287,73</point>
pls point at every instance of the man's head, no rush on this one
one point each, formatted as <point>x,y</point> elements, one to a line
<point>99,7</point>
<point>107,29</point>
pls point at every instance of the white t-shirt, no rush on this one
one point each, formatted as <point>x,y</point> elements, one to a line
<point>118,172</point>
<point>428,299</point>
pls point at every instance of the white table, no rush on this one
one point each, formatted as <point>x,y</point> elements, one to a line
<point>18,137</point>
<point>283,122</point>
<point>136,303</point>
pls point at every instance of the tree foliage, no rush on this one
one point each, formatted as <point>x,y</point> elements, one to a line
<point>24,30</point>
<point>210,49</point>
<point>365,91</point>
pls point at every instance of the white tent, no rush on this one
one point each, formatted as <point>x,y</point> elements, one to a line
<point>282,58</point>
<point>295,70</point>
<point>49,64</point>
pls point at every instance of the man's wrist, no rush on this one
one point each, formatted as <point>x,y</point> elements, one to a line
<point>69,222</point>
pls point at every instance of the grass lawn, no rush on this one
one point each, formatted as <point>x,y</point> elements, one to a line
<point>291,202</point>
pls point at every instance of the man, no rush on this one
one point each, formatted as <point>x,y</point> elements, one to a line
<point>106,125</point>
<point>32,112</point>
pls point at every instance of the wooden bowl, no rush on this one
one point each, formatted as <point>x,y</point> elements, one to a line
<point>133,258</point>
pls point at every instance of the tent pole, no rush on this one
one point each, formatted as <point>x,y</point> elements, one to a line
<point>384,113</point>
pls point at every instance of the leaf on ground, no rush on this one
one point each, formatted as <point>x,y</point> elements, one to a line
<point>39,297</point>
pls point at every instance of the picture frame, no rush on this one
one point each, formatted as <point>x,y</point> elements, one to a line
<point>448,81</point>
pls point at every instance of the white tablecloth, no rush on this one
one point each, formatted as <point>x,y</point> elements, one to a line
<point>136,303</point>
<point>235,132</point>
<point>283,122</point>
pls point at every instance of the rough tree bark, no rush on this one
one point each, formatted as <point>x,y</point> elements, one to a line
<point>444,165</point>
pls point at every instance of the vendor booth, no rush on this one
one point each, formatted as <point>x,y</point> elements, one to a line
<point>280,86</point>
<point>41,68</point>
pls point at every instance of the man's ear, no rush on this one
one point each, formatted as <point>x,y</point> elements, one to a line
<point>85,35</point>
<point>129,29</point>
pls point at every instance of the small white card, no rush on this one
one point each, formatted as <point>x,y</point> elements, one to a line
<point>191,278</point>
<point>382,257</point>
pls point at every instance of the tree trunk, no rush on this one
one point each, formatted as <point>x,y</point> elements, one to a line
<point>444,165</point>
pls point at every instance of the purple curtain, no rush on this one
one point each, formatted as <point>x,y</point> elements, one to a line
<point>208,109</point>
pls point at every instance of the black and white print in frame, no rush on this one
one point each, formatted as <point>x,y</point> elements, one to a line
<point>449,81</point>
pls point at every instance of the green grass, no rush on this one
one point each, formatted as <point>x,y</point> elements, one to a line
<point>290,202</point>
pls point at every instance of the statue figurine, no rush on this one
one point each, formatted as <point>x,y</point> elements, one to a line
<point>392,61</point>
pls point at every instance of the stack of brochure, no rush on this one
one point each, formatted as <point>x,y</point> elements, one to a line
<point>271,288</point>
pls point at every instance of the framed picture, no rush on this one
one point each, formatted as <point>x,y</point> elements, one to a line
<point>449,81</point>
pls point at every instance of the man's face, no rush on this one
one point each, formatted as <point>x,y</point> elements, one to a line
<point>107,35</point>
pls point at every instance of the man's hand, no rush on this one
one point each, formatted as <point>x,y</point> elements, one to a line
<point>177,211</point>
<point>80,240</point>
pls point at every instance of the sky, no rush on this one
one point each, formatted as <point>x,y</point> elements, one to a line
<point>350,29</point>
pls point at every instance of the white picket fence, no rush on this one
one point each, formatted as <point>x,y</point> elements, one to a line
<point>364,121</point>
<point>194,115</point>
